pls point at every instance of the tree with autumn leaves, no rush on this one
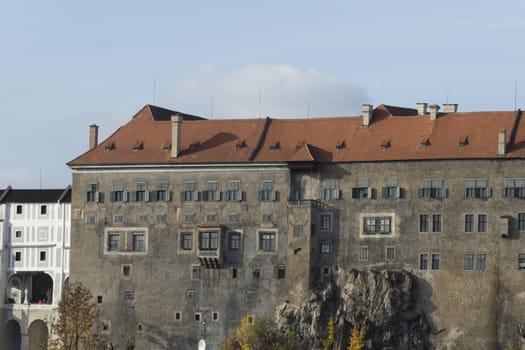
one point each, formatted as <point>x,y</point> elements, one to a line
<point>73,329</point>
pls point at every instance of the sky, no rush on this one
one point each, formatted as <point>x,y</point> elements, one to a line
<point>67,64</point>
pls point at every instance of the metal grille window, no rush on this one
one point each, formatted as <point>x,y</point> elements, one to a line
<point>267,241</point>
<point>234,191</point>
<point>113,242</point>
<point>469,222</point>
<point>326,222</point>
<point>329,190</point>
<point>377,225</point>
<point>468,262</point>
<point>139,242</point>
<point>423,223</point>
<point>477,188</point>
<point>514,188</point>
<point>208,240</point>
<point>190,193</point>
<point>186,241</point>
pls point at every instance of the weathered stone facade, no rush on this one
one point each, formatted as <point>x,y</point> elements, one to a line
<point>167,272</point>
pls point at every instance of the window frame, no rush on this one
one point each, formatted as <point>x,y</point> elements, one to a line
<point>266,241</point>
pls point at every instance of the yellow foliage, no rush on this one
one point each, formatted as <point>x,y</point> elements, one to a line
<point>330,334</point>
<point>356,339</point>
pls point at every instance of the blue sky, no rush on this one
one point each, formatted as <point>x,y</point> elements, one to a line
<point>67,64</point>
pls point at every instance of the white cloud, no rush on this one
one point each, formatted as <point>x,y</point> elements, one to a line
<point>277,90</point>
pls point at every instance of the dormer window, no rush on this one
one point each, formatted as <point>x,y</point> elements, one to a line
<point>274,146</point>
<point>138,146</point>
<point>341,145</point>
<point>463,141</point>
<point>110,146</point>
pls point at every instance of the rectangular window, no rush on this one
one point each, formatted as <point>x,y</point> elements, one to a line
<point>325,248</point>
<point>195,272</point>
<point>297,230</point>
<point>91,195</point>
<point>91,219</point>
<point>431,189</point>
<point>377,225</point>
<point>468,262</point>
<point>363,253</point>
<point>43,255</point>
<point>281,272</point>
<point>141,192</point>
<point>326,222</point>
<point>138,242</point>
<point>298,190</point>
<point>423,223</point>
<point>514,188</point>
<point>235,241</point>
<point>190,191</point>
<point>436,223</point>
<point>19,209</point>
<point>521,261</point>
<point>234,191</point>
<point>212,192</point>
<point>186,241</point>
<point>482,223</point>
<point>256,272</point>
<point>267,218</point>
<point>233,218</point>
<point>362,190</point>
<point>113,242</point>
<point>469,222</point>
<point>423,261</point>
<point>161,218</point>
<point>43,210</point>
<point>129,295</point>
<point>391,190</point>
<point>126,270</point>
<point>118,194</point>
<point>476,188</point>
<point>481,260</point>
<point>329,190</point>
<point>211,217</point>
<point>521,221</point>
<point>142,219</point>
<point>267,241</point>
<point>251,295</point>
<point>208,240</point>
<point>18,234</point>
<point>436,261</point>
<point>266,193</point>
<point>390,253</point>
<point>118,219</point>
<point>189,218</point>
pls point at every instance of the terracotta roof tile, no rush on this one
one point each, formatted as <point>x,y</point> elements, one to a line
<point>395,133</point>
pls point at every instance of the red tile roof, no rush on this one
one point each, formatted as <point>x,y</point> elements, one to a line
<point>395,133</point>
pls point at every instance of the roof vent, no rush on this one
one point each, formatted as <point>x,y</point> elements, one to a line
<point>385,145</point>
<point>240,144</point>
<point>450,107</point>
<point>367,114</point>
<point>421,108</point>
<point>110,146</point>
<point>194,145</point>
<point>463,141</point>
<point>340,146</point>
<point>433,111</point>
<point>425,142</point>
<point>138,146</point>
<point>275,145</point>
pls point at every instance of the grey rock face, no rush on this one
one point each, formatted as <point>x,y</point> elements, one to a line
<point>381,302</point>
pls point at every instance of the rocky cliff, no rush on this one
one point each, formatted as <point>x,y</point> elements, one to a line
<point>381,302</point>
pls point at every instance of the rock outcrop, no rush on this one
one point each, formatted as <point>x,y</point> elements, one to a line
<point>381,302</point>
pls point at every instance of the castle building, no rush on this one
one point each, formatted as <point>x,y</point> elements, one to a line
<point>34,263</point>
<point>182,225</point>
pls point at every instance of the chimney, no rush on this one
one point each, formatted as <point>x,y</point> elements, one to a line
<point>450,107</point>
<point>93,136</point>
<point>421,108</point>
<point>176,130</point>
<point>433,111</point>
<point>501,143</point>
<point>368,110</point>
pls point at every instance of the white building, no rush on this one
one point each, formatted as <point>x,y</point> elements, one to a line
<point>34,264</point>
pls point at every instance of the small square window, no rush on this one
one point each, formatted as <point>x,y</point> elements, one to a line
<point>251,295</point>
<point>43,255</point>
<point>105,325</point>
<point>191,294</point>
<point>129,295</point>
<point>18,234</point>
<point>233,218</point>
<point>267,218</point>
<point>325,248</point>
<point>43,210</point>
<point>211,217</point>
<point>189,218</point>
<point>161,218</point>
<point>91,219</point>
<point>197,316</point>
<point>326,222</point>
<point>118,219</point>
<point>126,270</point>
<point>142,219</point>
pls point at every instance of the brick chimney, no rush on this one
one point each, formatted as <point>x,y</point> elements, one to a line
<point>93,136</point>
<point>433,111</point>
<point>421,108</point>
<point>450,107</point>
<point>367,114</point>
<point>501,143</point>
<point>176,131</point>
